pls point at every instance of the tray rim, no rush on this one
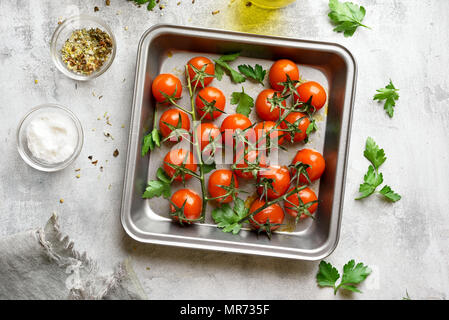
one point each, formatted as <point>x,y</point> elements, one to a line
<point>208,244</point>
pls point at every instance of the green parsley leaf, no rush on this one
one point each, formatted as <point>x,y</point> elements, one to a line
<point>236,76</point>
<point>151,3</point>
<point>373,153</point>
<point>219,72</point>
<point>244,102</point>
<point>159,187</point>
<point>228,219</point>
<point>162,176</point>
<point>347,16</point>
<point>372,181</point>
<point>388,193</point>
<point>150,141</point>
<point>373,178</point>
<point>156,137</point>
<point>390,95</point>
<point>257,73</point>
<point>147,144</point>
<point>327,275</point>
<point>229,57</point>
<point>155,188</point>
<point>353,274</point>
<point>221,65</point>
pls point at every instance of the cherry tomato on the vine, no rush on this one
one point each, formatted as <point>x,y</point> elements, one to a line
<point>210,94</point>
<point>311,89</point>
<point>191,201</point>
<point>233,122</point>
<point>172,116</point>
<point>179,157</point>
<point>301,126</point>
<point>263,106</point>
<point>312,158</point>
<point>168,84</point>
<point>252,158</point>
<point>306,195</point>
<point>272,214</point>
<point>199,63</point>
<point>279,71</point>
<point>206,133</point>
<point>262,128</point>
<point>277,179</point>
<point>219,178</point>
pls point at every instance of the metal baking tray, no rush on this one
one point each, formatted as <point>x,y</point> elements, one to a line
<point>166,49</point>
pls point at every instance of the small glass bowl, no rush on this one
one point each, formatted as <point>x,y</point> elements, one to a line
<point>22,144</point>
<point>64,31</point>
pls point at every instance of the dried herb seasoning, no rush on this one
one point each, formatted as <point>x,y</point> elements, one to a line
<point>86,50</point>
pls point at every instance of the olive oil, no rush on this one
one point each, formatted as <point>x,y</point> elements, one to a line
<point>272,4</point>
<point>252,19</point>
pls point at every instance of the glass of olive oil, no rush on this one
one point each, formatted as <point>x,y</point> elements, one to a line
<point>272,4</point>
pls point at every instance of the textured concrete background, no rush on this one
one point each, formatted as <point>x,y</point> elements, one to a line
<point>406,243</point>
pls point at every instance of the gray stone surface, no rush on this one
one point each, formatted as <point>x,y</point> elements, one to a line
<point>406,243</point>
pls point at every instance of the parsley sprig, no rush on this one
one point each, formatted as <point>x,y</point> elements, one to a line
<point>159,187</point>
<point>373,178</point>
<point>353,274</point>
<point>243,101</point>
<point>390,95</point>
<point>151,141</point>
<point>257,73</point>
<point>150,6</point>
<point>227,218</point>
<point>221,65</point>
<point>347,16</point>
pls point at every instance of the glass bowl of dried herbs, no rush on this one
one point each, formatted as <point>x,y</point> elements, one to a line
<point>83,47</point>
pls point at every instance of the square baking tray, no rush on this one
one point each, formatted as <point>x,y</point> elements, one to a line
<point>166,49</point>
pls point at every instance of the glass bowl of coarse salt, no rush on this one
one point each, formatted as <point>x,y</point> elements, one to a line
<point>49,137</point>
<point>83,47</point>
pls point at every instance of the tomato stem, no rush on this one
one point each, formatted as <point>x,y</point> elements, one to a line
<point>155,119</point>
<point>196,145</point>
<point>181,108</point>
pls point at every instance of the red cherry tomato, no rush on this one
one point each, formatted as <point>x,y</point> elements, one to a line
<point>233,122</point>
<point>218,178</point>
<point>279,71</point>
<point>242,161</point>
<point>263,106</point>
<point>311,89</point>
<point>262,128</point>
<point>210,94</point>
<point>192,207</point>
<point>272,214</point>
<point>179,157</point>
<point>199,63</point>
<point>312,158</point>
<point>172,117</point>
<point>168,84</point>
<point>302,125</point>
<point>306,195</point>
<point>280,181</point>
<point>206,133</point>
